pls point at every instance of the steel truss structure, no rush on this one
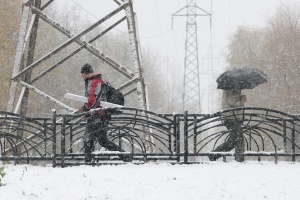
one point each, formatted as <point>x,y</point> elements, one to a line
<point>191,94</point>
<point>267,134</point>
<point>28,37</point>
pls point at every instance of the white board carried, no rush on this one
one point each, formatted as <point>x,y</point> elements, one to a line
<point>83,99</point>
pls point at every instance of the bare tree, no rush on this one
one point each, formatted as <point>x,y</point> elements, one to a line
<point>275,49</point>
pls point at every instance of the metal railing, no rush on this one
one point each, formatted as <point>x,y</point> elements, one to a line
<point>179,138</point>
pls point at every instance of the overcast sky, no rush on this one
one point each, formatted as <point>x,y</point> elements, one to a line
<point>157,33</point>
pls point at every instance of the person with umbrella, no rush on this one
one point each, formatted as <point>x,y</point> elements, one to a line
<point>233,122</point>
<point>232,82</point>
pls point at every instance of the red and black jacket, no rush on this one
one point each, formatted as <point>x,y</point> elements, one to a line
<point>95,92</point>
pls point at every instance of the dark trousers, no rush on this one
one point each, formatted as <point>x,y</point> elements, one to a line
<point>235,140</point>
<point>97,130</point>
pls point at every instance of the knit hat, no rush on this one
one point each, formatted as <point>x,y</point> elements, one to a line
<point>87,69</point>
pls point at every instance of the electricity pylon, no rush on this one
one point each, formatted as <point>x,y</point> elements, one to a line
<point>191,93</point>
<point>33,12</point>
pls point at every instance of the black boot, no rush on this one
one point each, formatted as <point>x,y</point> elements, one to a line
<point>212,157</point>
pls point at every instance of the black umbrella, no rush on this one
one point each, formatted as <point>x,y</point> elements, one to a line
<point>242,78</point>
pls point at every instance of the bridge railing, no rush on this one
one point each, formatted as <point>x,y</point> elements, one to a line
<point>25,139</point>
<point>268,134</point>
<point>150,137</point>
<point>146,135</point>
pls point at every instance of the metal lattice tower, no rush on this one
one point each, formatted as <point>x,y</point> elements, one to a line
<point>191,94</point>
<point>22,71</point>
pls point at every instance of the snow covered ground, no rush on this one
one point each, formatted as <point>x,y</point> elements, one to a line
<point>218,180</point>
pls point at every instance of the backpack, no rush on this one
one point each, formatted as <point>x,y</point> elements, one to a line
<point>113,95</point>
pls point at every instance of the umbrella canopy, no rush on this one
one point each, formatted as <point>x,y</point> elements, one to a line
<point>241,78</point>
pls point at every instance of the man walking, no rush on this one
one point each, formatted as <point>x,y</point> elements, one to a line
<point>97,124</point>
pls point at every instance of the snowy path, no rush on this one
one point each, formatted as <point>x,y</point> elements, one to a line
<point>151,181</point>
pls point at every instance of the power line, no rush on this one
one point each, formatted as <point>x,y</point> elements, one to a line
<point>84,9</point>
<point>93,14</point>
<point>159,25</point>
<point>155,36</point>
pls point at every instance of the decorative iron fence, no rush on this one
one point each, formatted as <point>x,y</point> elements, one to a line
<point>268,134</point>
<point>145,135</point>
<point>25,139</point>
<point>151,137</point>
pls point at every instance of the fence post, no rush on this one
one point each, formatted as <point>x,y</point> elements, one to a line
<point>45,136</point>
<point>71,139</point>
<point>54,138</point>
<point>284,135</point>
<point>63,142</point>
<point>293,142</point>
<point>186,148</point>
<point>195,133</point>
<point>177,136</point>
